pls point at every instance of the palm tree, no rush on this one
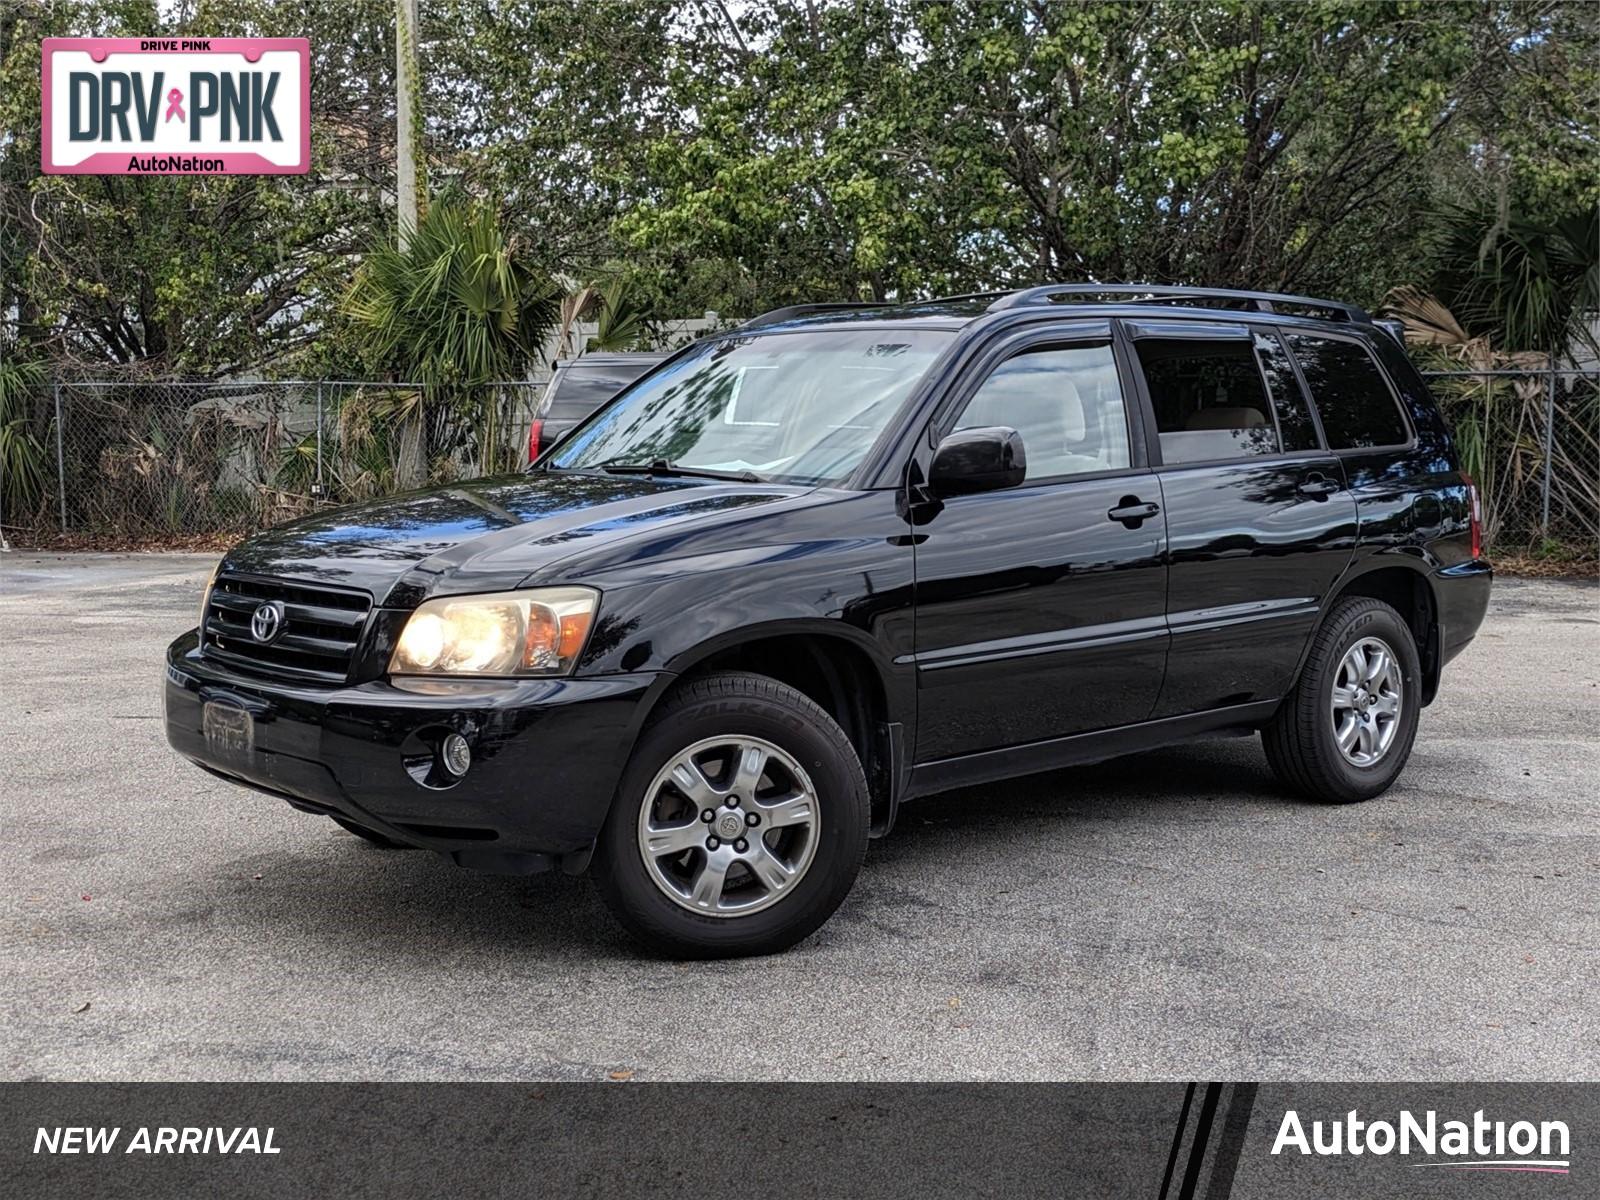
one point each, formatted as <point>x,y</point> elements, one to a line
<point>1496,440</point>
<point>1528,281</point>
<point>454,309</point>
<point>621,321</point>
<point>22,454</point>
<point>1511,292</point>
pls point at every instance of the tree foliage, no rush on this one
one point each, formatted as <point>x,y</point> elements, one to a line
<point>897,148</point>
<point>186,274</point>
<point>738,157</point>
<point>457,304</point>
<point>1530,283</point>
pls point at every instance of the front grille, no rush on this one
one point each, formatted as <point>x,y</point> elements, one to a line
<point>321,627</point>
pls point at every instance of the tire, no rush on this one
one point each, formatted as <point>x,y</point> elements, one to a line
<point>1301,741</point>
<point>792,773</point>
<point>369,835</point>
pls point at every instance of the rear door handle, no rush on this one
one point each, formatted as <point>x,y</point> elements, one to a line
<point>1133,512</point>
<point>1318,487</point>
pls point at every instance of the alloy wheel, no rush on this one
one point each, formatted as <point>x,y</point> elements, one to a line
<point>1367,698</point>
<point>729,826</point>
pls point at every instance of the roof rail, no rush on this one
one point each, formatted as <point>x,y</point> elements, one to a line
<point>989,295</point>
<point>801,310</point>
<point>1260,301</point>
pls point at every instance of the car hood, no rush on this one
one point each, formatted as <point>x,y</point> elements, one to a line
<point>485,534</point>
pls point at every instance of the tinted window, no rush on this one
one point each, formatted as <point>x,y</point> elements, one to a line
<point>1065,401</point>
<point>1209,398</point>
<point>1295,426</point>
<point>1352,397</point>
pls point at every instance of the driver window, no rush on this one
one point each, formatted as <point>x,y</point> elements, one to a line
<point>1065,401</point>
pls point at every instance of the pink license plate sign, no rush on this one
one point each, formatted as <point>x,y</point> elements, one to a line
<point>177,106</point>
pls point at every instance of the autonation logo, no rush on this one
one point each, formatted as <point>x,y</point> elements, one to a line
<point>1476,1145</point>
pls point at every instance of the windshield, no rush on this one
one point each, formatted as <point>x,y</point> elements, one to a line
<point>795,407</point>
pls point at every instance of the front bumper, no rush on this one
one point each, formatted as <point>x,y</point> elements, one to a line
<point>546,753</point>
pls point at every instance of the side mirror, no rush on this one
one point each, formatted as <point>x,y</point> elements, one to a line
<point>985,459</point>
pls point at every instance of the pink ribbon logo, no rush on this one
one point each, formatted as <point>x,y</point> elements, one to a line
<point>175,105</point>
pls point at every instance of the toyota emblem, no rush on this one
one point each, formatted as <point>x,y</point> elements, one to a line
<point>267,622</point>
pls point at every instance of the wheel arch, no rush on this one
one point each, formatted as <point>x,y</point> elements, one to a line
<point>841,670</point>
<point>1405,587</point>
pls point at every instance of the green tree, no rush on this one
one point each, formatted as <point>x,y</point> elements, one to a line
<point>618,309</point>
<point>793,159</point>
<point>742,156</point>
<point>456,308</point>
<point>894,148</point>
<point>1525,281</point>
<point>550,109</point>
<point>191,275</point>
<point>23,456</point>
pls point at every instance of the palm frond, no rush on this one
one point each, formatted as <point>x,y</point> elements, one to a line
<point>1526,280</point>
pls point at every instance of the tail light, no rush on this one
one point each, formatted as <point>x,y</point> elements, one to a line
<point>535,435</point>
<point>1475,511</point>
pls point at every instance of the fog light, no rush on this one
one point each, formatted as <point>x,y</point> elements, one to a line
<point>456,755</point>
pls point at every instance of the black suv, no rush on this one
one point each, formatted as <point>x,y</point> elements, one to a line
<point>849,555</point>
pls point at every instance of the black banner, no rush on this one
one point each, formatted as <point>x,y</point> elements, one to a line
<point>1161,1141</point>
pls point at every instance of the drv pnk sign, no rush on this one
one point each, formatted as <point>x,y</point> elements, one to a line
<point>176,106</point>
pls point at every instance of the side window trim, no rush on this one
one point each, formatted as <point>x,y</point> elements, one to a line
<point>1136,393</point>
<point>1383,374</point>
<point>1208,331</point>
<point>998,349</point>
<point>1300,382</point>
<point>1004,348</point>
<point>1272,401</point>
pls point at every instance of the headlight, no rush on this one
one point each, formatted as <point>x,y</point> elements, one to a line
<point>205,595</point>
<point>536,632</point>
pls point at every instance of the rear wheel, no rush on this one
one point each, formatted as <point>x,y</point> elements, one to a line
<point>740,823</point>
<point>1346,731</point>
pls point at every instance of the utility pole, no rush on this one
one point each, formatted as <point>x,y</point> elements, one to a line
<point>411,469</point>
<point>405,81</point>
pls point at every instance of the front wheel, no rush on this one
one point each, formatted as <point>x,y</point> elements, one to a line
<point>740,823</point>
<point>1345,732</point>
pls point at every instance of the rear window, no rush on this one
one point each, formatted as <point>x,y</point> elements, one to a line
<point>1353,398</point>
<point>581,388</point>
<point>1210,401</point>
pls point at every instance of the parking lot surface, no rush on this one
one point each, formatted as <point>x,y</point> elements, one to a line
<point>1167,916</point>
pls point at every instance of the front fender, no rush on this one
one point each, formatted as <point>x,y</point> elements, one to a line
<point>774,574</point>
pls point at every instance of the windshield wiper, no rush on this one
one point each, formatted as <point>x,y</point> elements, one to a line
<point>662,467</point>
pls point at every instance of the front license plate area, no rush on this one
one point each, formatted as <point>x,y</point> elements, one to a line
<point>228,728</point>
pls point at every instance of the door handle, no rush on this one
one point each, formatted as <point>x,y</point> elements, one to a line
<point>1318,487</point>
<point>1133,512</point>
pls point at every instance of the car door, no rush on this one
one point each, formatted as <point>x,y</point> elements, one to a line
<point>1040,608</point>
<point>1259,520</point>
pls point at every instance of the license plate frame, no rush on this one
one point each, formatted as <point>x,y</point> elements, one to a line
<point>228,728</point>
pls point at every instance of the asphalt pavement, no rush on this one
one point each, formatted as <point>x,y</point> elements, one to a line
<point>1167,916</point>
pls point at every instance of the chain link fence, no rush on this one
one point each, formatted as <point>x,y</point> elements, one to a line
<point>1531,440</point>
<point>143,461</point>
<point>152,460</point>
